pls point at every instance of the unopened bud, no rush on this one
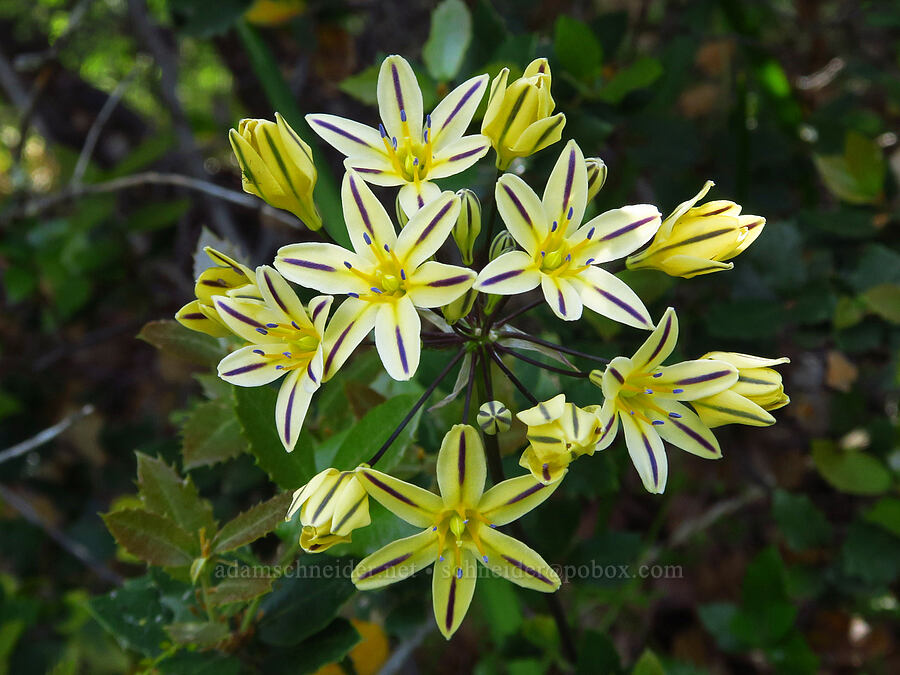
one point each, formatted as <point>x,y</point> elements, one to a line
<point>460,307</point>
<point>596,171</point>
<point>402,218</point>
<point>468,224</point>
<point>503,243</point>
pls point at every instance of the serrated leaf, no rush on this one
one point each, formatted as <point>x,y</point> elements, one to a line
<point>368,435</point>
<point>252,524</point>
<point>152,538</point>
<point>852,472</point>
<point>164,492</point>
<point>305,602</point>
<point>238,590</point>
<point>255,409</point>
<point>174,339</point>
<point>576,47</point>
<point>451,32</point>
<point>200,633</point>
<point>133,615</point>
<point>211,434</point>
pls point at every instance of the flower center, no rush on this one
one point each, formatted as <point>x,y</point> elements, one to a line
<point>410,157</point>
<point>456,529</point>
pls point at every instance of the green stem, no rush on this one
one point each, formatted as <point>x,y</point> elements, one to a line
<point>540,364</point>
<point>492,447</point>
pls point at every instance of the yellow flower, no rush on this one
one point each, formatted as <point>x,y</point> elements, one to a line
<point>277,166</point>
<point>368,656</point>
<point>561,255</point>
<point>284,339</point>
<point>757,390</point>
<point>696,240</point>
<point>386,276</point>
<point>558,433</point>
<point>226,276</point>
<point>646,397</point>
<point>407,150</point>
<point>459,529</point>
<point>331,506</point>
<point>519,119</point>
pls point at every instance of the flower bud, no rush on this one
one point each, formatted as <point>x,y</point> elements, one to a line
<point>402,218</point>
<point>468,224</point>
<point>596,171</point>
<point>758,389</point>
<point>277,166</point>
<point>503,243</point>
<point>494,417</point>
<point>331,506</point>
<point>696,240</point>
<point>460,307</point>
<point>519,119</point>
<point>225,277</point>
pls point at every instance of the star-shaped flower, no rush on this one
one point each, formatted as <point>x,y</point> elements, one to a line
<point>407,150</point>
<point>386,276</point>
<point>458,529</point>
<point>562,257</point>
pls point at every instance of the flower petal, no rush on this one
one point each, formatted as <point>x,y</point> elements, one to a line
<point>351,510</point>
<point>290,408</point>
<point>191,316</point>
<point>396,561</point>
<point>312,374</point>
<point>666,228</point>
<point>563,298</point>
<point>691,380</point>
<point>619,232</point>
<point>399,96</point>
<point>688,266</point>
<point>454,113</point>
<point>684,429</point>
<point>609,420</point>
<point>608,295</point>
<point>411,503</point>
<point>348,137</point>
<point>518,563</point>
<point>728,407</point>
<point>461,468</point>
<point>427,230</point>
<point>322,267</point>
<point>544,412</point>
<point>741,361</point>
<point>352,321</point>
<point>413,197</point>
<point>256,177</point>
<point>510,274</point>
<point>436,284</point>
<point>397,329</point>
<point>279,296</point>
<point>647,453</point>
<point>458,156</point>
<point>522,211</point>
<point>566,193</point>
<point>659,345</point>
<point>318,308</point>
<point>452,588</point>
<point>246,318</point>
<point>368,224</point>
<point>509,500</point>
<point>375,171</point>
<point>249,367</point>
<point>540,134</point>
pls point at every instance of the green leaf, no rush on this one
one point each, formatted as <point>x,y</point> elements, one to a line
<point>185,662</point>
<point>211,434</point>
<point>877,265</point>
<point>648,664</point>
<point>238,590</point>
<point>306,602</point>
<point>156,215</point>
<point>717,618</point>
<point>848,312</point>
<point>207,18</point>
<point>363,85</point>
<point>802,524</point>
<point>133,615</point>
<point>329,645</point>
<point>853,472</point>
<point>152,538</point>
<point>765,614</point>
<point>174,339</point>
<point>871,554</point>
<point>451,32</point>
<point>165,493</point>
<point>640,74</point>
<point>200,633</point>
<point>255,408</point>
<point>597,654</point>
<point>884,300</point>
<point>252,524</point>
<point>373,430</point>
<point>500,607</point>
<point>857,176</point>
<point>576,47</point>
<point>886,513</point>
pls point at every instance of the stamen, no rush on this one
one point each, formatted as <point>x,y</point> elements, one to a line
<point>367,239</point>
<point>658,422</point>
<point>271,325</point>
<point>428,121</point>
<point>588,261</point>
<point>262,331</point>
<point>675,415</point>
<point>678,391</point>
<point>394,142</point>
<point>569,258</point>
<point>382,131</point>
<point>648,391</point>
<point>279,367</point>
<point>459,572</point>
<point>402,274</point>
<point>294,324</point>
<point>287,354</point>
<point>348,265</point>
<point>543,253</point>
<point>375,290</point>
<point>258,351</point>
<point>484,558</point>
<point>591,233</point>
<point>402,115</point>
<point>353,295</point>
<point>659,374</point>
<point>415,161</point>
<point>554,226</point>
<point>434,529</point>
<point>387,248</point>
<point>571,212</point>
<point>441,558</point>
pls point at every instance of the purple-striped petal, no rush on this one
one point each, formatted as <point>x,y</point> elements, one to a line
<point>397,329</point>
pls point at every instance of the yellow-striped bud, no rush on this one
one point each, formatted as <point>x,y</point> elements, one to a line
<point>494,417</point>
<point>277,166</point>
<point>519,119</point>
<point>225,277</point>
<point>758,389</point>
<point>460,307</point>
<point>596,171</point>
<point>468,224</point>
<point>697,240</point>
<point>331,506</point>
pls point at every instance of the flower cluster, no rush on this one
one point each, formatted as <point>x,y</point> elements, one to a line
<point>396,274</point>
